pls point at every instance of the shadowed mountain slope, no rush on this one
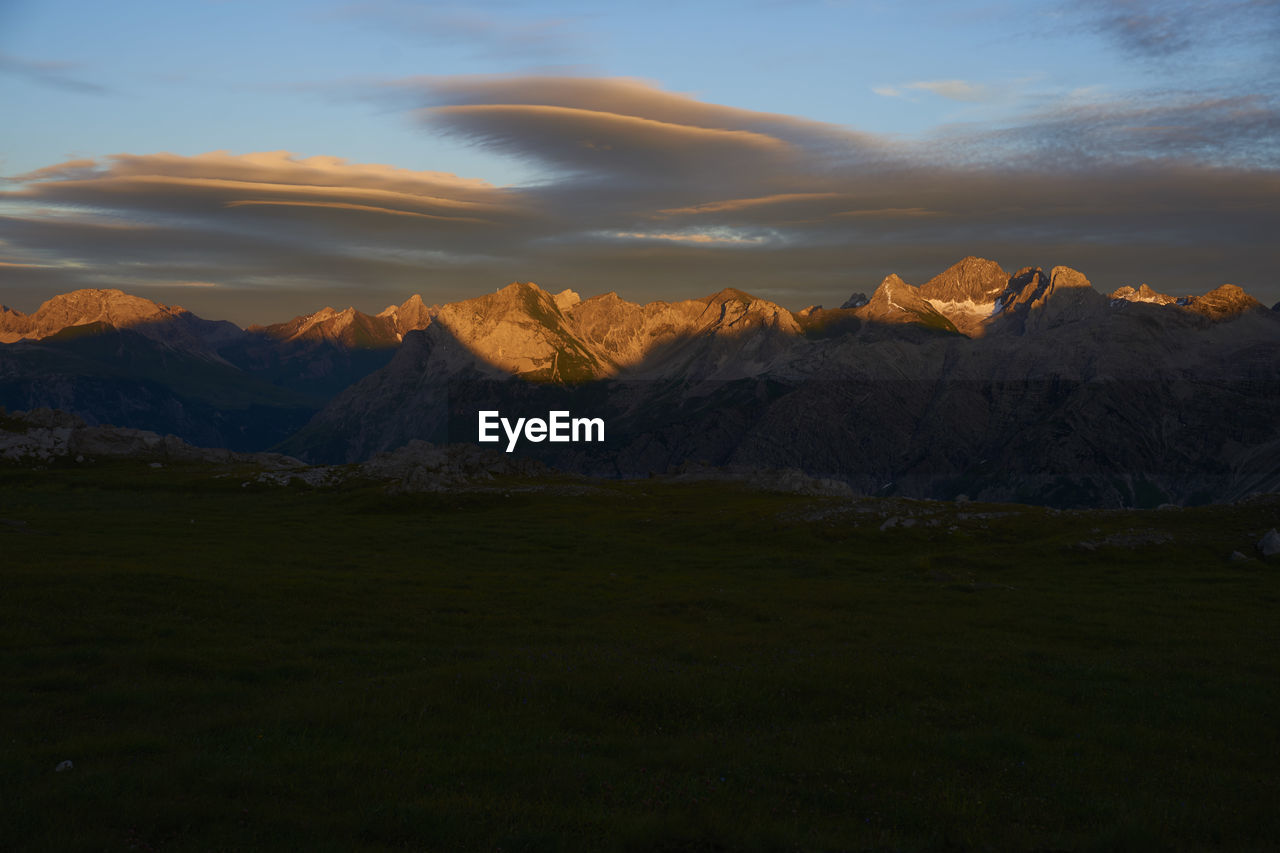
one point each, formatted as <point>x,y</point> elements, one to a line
<point>1062,400</point>
<point>1032,386</point>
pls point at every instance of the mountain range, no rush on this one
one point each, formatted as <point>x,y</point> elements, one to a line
<point>1030,386</point>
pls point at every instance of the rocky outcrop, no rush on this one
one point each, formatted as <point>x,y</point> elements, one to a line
<point>1223,303</point>
<point>80,308</point>
<point>420,466</point>
<point>1220,304</point>
<point>1142,294</point>
<point>857,300</point>
<point>412,314</point>
<point>521,331</point>
<point>1068,298</point>
<point>173,326</point>
<point>966,293</point>
<point>348,328</point>
<point>566,299</point>
<point>896,302</point>
<point>47,435</point>
<point>974,280</point>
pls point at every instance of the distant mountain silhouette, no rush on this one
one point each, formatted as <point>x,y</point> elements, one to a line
<point>1027,386</point>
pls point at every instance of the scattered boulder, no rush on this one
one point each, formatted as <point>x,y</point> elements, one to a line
<point>420,466</point>
<point>1269,544</point>
<point>1237,557</point>
<point>64,765</point>
<point>1130,539</point>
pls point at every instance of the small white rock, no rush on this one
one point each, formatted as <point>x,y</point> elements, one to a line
<point>156,465</point>
<point>1237,557</point>
<point>1269,544</point>
<point>63,765</point>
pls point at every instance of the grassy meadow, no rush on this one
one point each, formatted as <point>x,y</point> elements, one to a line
<point>637,666</point>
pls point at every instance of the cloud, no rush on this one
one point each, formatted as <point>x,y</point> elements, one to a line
<point>954,90</point>
<point>230,191</point>
<point>264,220</point>
<point>1170,128</point>
<point>744,203</point>
<point>673,196</point>
<point>722,237</point>
<point>1160,29</point>
<point>49,73</point>
<point>590,140</point>
<point>603,100</point>
<point>494,36</point>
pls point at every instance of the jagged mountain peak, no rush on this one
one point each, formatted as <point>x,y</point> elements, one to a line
<point>96,296</point>
<point>890,282</point>
<point>728,294</point>
<point>410,315</point>
<point>349,328</point>
<point>1064,277</point>
<point>891,286</point>
<point>602,299</point>
<point>92,305</point>
<point>973,280</point>
<point>519,329</point>
<point>733,310</point>
<point>523,287</point>
<point>967,293</point>
<point>888,295</point>
<point>111,308</point>
<point>1223,302</point>
<point>1143,293</point>
<point>896,302</point>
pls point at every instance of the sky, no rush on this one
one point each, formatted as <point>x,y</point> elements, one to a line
<point>257,160</point>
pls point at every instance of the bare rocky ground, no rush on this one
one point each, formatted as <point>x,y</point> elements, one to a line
<point>47,437</point>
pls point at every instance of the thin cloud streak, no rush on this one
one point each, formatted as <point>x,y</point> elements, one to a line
<point>485,36</point>
<point>953,90</point>
<point>50,73</point>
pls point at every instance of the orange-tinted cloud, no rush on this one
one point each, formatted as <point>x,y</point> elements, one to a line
<point>744,203</point>
<point>675,196</point>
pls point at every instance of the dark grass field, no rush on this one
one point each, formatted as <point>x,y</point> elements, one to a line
<point>643,666</point>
